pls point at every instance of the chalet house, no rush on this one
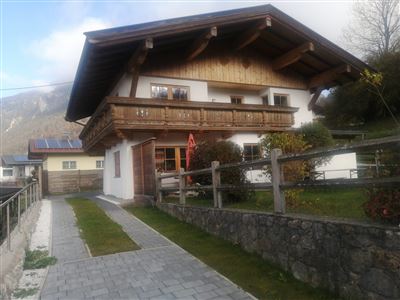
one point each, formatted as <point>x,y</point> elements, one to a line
<point>231,75</point>
<point>66,167</point>
<point>15,169</point>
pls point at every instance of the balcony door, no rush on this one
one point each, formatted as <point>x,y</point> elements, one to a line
<point>144,169</point>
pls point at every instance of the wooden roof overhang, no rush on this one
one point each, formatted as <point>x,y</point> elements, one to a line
<point>107,54</point>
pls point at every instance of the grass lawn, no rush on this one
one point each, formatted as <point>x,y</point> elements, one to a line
<point>101,234</point>
<point>335,202</point>
<point>251,272</point>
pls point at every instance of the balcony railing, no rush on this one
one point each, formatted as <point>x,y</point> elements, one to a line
<point>121,114</point>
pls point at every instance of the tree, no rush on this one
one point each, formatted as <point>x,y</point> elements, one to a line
<point>375,29</point>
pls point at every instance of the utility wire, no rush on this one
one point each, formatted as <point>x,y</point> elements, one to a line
<point>36,86</point>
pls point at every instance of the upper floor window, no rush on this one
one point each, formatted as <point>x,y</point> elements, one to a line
<point>99,164</point>
<point>8,172</point>
<point>170,92</point>
<point>251,152</point>
<point>281,100</point>
<point>236,99</point>
<point>69,165</point>
<point>117,166</point>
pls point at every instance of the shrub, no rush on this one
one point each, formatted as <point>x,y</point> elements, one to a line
<point>315,134</point>
<point>384,203</point>
<point>288,143</point>
<point>224,152</point>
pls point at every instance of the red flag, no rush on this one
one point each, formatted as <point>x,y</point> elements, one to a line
<point>190,148</point>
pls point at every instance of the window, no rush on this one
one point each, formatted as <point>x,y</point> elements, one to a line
<point>170,92</point>
<point>236,99</point>
<point>117,166</point>
<point>251,152</point>
<point>281,100</point>
<point>170,159</point>
<point>69,165</point>
<point>8,172</point>
<point>99,164</point>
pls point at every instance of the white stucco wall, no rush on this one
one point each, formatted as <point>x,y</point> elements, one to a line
<point>224,95</point>
<point>54,161</point>
<point>339,165</point>
<point>297,98</point>
<point>121,187</point>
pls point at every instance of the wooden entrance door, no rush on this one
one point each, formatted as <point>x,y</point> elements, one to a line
<point>144,169</point>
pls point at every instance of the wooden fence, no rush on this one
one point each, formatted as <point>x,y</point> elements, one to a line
<point>278,184</point>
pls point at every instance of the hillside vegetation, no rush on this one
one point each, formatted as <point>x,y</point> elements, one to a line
<point>35,114</point>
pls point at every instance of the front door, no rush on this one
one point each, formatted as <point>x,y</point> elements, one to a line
<point>144,169</point>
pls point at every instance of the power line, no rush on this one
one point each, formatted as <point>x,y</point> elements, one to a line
<point>36,86</point>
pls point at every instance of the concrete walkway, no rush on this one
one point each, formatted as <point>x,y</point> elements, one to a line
<point>160,270</point>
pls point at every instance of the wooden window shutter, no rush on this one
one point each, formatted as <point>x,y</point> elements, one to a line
<point>117,164</point>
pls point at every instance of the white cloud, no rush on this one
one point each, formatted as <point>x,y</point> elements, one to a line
<point>60,51</point>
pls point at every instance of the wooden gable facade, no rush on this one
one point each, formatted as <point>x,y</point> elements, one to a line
<point>250,49</point>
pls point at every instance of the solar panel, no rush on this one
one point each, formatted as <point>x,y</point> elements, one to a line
<point>40,144</point>
<point>76,143</point>
<point>64,144</point>
<point>53,144</point>
<point>21,158</point>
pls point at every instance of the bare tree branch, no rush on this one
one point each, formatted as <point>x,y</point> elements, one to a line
<point>375,28</point>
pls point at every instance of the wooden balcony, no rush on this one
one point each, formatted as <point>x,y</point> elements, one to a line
<point>117,116</point>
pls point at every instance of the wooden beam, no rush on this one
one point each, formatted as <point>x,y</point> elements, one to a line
<point>328,76</point>
<point>315,97</point>
<point>136,61</point>
<point>251,34</point>
<point>139,56</point>
<point>201,43</point>
<point>292,56</point>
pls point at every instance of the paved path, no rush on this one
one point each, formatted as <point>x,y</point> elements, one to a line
<point>160,270</point>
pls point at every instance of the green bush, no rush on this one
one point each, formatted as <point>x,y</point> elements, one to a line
<point>384,203</point>
<point>38,259</point>
<point>224,152</point>
<point>315,134</point>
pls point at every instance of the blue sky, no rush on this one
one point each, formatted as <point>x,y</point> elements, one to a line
<point>42,40</point>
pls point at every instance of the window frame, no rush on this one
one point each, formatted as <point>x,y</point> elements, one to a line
<point>7,170</point>
<point>178,158</point>
<point>101,164</point>
<point>117,164</point>
<point>252,156</point>
<point>68,165</point>
<point>282,95</point>
<point>169,91</point>
<point>236,97</point>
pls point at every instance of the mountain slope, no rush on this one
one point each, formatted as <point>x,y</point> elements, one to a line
<point>34,114</point>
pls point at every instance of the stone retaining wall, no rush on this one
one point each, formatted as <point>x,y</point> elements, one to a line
<point>354,260</point>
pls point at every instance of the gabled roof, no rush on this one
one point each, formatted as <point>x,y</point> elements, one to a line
<point>45,146</point>
<point>19,160</point>
<point>106,52</point>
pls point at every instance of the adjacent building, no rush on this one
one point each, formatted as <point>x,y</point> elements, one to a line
<point>232,75</point>
<point>66,167</point>
<point>15,169</point>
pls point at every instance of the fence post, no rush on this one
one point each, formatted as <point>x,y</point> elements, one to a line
<point>158,186</point>
<point>279,197</point>
<point>8,227</point>
<point>216,182</point>
<point>182,192</point>
<point>19,212</point>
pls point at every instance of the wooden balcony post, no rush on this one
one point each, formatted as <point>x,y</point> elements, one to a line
<point>216,182</point>
<point>277,176</point>
<point>182,184</point>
